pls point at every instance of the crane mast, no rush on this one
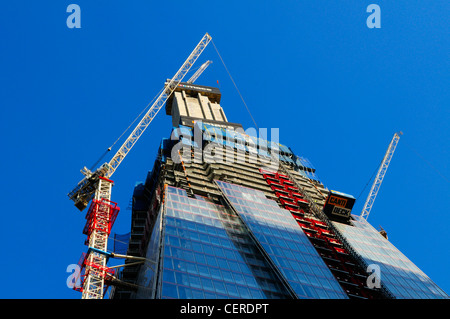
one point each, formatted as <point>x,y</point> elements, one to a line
<point>380,175</point>
<point>96,187</point>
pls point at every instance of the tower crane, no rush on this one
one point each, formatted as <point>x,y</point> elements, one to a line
<point>380,175</point>
<point>96,187</point>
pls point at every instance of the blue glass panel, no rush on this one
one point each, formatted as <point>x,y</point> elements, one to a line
<point>283,240</point>
<point>147,277</point>
<point>208,252</point>
<point>400,276</point>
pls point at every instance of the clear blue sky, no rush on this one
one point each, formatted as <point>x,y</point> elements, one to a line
<point>336,89</point>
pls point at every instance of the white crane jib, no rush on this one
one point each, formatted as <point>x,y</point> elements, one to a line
<point>380,175</point>
<point>85,189</point>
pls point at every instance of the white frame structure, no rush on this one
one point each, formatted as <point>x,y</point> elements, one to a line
<point>380,175</point>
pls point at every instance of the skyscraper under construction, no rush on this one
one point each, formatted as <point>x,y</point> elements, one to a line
<point>226,213</point>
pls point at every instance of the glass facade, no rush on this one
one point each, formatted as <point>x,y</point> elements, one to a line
<point>284,242</point>
<point>206,252</point>
<point>403,279</point>
<point>253,249</point>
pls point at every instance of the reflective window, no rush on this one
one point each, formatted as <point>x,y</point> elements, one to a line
<point>284,242</point>
<point>400,276</point>
<point>208,253</point>
<point>146,277</point>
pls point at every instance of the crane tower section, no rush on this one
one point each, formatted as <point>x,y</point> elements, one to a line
<point>96,187</point>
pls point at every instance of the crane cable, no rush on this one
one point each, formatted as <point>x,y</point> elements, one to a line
<point>427,162</point>
<point>232,80</point>
<point>369,181</point>
<point>254,122</point>
<point>140,114</point>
